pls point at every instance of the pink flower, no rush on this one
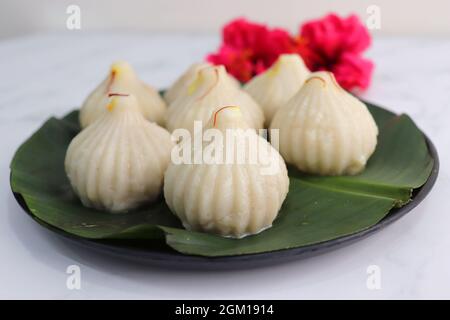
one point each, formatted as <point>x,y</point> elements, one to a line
<point>353,71</point>
<point>337,44</point>
<point>241,34</point>
<point>331,43</point>
<point>236,61</point>
<point>250,48</point>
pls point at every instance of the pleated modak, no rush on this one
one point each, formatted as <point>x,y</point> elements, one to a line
<point>180,87</point>
<point>236,197</point>
<point>211,89</point>
<point>274,87</point>
<point>122,78</point>
<point>325,130</point>
<point>118,162</point>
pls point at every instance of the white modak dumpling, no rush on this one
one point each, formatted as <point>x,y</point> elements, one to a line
<point>232,191</point>
<point>324,129</point>
<point>273,88</point>
<point>180,87</point>
<point>118,162</point>
<point>211,89</point>
<point>122,78</point>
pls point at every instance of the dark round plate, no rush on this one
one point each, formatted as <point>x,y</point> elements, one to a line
<point>173,259</point>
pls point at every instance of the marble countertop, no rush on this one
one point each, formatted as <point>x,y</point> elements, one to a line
<point>50,74</point>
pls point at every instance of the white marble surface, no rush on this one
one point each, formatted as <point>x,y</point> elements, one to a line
<point>51,74</point>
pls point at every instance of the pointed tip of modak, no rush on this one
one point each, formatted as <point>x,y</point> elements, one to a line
<point>209,75</point>
<point>323,79</point>
<point>287,60</point>
<point>227,117</point>
<point>211,71</point>
<point>119,102</point>
<point>120,76</point>
<point>121,67</point>
<point>197,66</point>
<point>217,71</point>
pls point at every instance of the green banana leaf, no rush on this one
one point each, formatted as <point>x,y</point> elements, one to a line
<point>316,209</point>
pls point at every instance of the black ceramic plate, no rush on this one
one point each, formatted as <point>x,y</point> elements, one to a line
<point>174,259</point>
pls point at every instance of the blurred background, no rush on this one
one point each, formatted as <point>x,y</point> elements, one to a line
<point>21,17</point>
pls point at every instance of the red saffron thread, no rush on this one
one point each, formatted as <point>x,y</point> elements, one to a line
<point>111,80</point>
<point>216,80</point>
<point>318,78</point>
<point>118,95</point>
<point>217,112</point>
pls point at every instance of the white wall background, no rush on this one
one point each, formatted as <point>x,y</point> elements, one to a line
<point>19,17</point>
